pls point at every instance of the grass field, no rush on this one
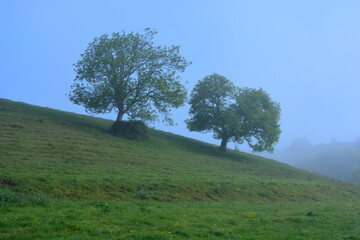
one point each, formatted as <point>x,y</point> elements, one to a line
<point>62,176</point>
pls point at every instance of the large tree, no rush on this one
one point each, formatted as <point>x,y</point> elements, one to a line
<point>129,74</point>
<point>234,114</point>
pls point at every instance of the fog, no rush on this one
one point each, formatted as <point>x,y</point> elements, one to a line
<point>305,54</point>
<point>335,159</point>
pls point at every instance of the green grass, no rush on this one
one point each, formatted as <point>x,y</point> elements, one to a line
<point>63,176</point>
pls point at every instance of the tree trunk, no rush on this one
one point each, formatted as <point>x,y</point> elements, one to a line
<point>119,116</point>
<point>223,145</point>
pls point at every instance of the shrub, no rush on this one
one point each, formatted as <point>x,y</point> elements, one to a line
<point>133,129</point>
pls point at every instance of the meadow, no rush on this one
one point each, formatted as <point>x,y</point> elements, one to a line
<point>63,176</point>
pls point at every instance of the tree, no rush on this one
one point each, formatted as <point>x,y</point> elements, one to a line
<point>236,114</point>
<point>128,74</point>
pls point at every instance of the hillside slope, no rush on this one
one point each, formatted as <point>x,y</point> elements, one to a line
<point>58,161</point>
<point>65,155</point>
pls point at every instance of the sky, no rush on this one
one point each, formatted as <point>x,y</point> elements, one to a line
<point>305,54</point>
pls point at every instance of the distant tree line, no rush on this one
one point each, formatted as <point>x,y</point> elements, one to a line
<point>128,73</point>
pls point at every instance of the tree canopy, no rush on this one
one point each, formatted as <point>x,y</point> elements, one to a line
<point>234,114</point>
<point>129,74</point>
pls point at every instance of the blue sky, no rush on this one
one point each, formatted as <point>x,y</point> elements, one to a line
<point>305,54</point>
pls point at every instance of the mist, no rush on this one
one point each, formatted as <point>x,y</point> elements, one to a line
<point>334,159</point>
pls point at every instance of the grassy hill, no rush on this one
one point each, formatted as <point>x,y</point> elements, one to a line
<point>63,176</point>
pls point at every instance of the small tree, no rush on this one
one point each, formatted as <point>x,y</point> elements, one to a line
<point>234,114</point>
<point>127,73</point>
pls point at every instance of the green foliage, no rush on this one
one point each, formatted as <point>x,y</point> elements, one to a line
<point>127,73</point>
<point>133,129</point>
<point>232,113</point>
<point>209,101</point>
<point>258,117</point>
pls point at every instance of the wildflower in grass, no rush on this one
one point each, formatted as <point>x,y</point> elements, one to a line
<point>251,214</point>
